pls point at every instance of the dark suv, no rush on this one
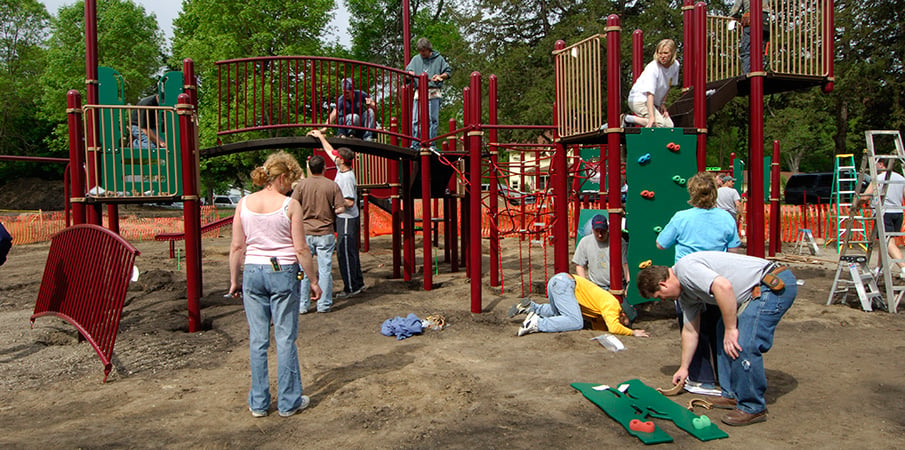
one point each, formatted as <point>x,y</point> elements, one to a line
<point>813,188</point>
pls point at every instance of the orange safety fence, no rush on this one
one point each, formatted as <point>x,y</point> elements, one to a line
<point>41,226</point>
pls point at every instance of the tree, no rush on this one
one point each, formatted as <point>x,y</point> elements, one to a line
<point>128,41</point>
<point>23,28</point>
<point>212,30</point>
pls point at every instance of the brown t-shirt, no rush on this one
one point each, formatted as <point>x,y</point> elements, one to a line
<point>319,196</point>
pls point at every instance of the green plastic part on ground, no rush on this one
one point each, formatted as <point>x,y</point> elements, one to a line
<point>643,403</point>
<point>644,215</point>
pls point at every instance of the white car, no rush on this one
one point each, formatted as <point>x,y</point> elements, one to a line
<point>226,201</point>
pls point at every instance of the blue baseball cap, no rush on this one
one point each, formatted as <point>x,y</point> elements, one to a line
<point>599,222</point>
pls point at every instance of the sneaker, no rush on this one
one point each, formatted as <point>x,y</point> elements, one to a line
<point>345,294</point>
<point>902,274</point>
<point>529,325</point>
<point>696,387</point>
<point>292,412</point>
<point>522,307</point>
<point>257,413</point>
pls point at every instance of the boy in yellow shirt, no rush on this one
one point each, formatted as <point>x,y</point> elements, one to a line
<point>572,297</point>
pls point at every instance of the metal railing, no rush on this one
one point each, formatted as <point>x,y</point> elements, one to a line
<point>798,34</point>
<point>123,166</point>
<point>268,93</point>
<point>580,102</point>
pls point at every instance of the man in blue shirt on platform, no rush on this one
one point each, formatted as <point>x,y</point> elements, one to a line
<point>356,108</point>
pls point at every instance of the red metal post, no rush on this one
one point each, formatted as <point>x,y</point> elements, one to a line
<point>613,153</point>
<point>755,211</point>
<point>94,214</point>
<point>424,118</point>
<point>465,201</point>
<point>494,183</point>
<point>406,31</point>
<point>76,156</point>
<point>395,213</point>
<point>775,244</point>
<point>700,82</point>
<point>638,54</point>
<point>829,45</point>
<point>689,47</point>
<point>408,222</point>
<point>191,210</point>
<point>474,254</point>
<point>366,221</point>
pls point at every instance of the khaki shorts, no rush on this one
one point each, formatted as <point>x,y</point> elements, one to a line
<point>640,109</point>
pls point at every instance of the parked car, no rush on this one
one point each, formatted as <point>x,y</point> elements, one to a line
<point>226,201</point>
<point>813,188</point>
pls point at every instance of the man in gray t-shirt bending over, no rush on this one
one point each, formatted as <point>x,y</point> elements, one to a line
<point>752,294</point>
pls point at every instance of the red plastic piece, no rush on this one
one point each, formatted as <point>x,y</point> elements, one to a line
<point>644,427</point>
<point>673,147</point>
<point>647,194</point>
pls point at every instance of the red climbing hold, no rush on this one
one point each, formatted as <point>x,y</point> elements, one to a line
<point>644,427</point>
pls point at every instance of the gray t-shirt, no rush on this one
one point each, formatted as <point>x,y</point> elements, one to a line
<point>696,272</point>
<point>726,198</point>
<point>595,255</point>
<point>349,187</point>
<point>894,191</point>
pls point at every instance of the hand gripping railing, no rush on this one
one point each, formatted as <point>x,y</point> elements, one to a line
<point>85,279</point>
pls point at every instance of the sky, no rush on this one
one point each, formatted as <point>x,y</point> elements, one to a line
<point>167,10</point>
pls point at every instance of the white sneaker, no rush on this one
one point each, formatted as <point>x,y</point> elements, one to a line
<point>522,307</point>
<point>292,412</point>
<point>257,413</point>
<point>529,325</point>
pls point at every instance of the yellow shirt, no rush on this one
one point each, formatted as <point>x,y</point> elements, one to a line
<point>600,307</point>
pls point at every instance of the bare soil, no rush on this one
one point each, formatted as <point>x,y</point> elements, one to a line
<point>835,372</point>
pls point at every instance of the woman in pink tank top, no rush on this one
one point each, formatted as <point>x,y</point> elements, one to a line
<point>269,239</point>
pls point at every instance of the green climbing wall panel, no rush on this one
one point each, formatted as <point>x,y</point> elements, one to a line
<point>657,175</point>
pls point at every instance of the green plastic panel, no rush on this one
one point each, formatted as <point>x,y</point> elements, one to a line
<point>643,214</point>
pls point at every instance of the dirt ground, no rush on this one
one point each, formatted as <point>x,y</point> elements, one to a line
<point>835,372</point>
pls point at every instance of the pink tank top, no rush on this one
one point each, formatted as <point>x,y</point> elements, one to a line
<point>268,235</point>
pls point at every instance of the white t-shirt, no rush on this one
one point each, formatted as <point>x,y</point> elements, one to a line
<point>349,188</point>
<point>894,191</point>
<point>655,79</point>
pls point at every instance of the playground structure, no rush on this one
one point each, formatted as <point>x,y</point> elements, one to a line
<point>289,93</point>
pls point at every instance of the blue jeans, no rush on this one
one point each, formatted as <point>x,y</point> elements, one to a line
<point>140,139</point>
<point>434,113</point>
<point>355,119</point>
<point>272,296</point>
<point>563,312</point>
<point>744,378</point>
<point>347,232</point>
<point>321,247</point>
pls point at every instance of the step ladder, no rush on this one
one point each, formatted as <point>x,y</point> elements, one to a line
<point>855,252</point>
<point>806,242</point>
<point>844,191</point>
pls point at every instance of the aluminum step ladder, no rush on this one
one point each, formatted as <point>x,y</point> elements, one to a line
<point>845,188</point>
<point>850,254</point>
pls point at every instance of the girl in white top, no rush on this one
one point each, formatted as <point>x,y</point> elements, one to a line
<point>649,91</point>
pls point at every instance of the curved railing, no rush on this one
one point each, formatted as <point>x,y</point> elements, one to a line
<point>267,93</point>
<point>800,43</point>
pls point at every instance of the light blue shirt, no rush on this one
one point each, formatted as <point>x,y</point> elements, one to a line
<point>697,229</point>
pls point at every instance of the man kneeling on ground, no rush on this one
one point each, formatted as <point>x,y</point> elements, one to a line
<point>752,294</point>
<point>570,298</point>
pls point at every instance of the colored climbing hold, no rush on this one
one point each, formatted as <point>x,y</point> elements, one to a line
<point>643,427</point>
<point>645,264</point>
<point>644,159</point>
<point>673,147</point>
<point>678,179</point>
<point>658,229</point>
<point>700,423</point>
<point>647,194</point>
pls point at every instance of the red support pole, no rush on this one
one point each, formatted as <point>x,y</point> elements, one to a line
<point>427,250</point>
<point>191,211</point>
<point>188,67</point>
<point>494,183</point>
<point>756,135</point>
<point>424,112</point>
<point>408,222</point>
<point>700,82</point>
<point>406,31</point>
<point>613,154</point>
<point>465,202</point>
<point>474,253</point>
<point>638,54</point>
<point>76,156</point>
<point>775,240</point>
<point>689,47</point>
<point>829,45</point>
<point>94,214</point>
<point>395,213</point>
<point>366,221</point>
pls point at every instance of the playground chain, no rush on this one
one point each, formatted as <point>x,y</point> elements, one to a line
<point>472,384</point>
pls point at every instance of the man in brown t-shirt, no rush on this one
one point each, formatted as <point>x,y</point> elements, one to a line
<point>321,201</point>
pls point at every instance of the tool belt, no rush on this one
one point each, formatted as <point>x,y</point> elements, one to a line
<point>771,280</point>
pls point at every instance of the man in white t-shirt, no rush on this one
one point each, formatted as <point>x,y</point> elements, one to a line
<point>727,197</point>
<point>592,254</point>
<point>892,217</point>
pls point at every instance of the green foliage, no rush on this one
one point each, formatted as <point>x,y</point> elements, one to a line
<point>128,41</point>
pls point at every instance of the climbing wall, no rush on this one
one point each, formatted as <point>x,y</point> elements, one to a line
<point>659,161</point>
